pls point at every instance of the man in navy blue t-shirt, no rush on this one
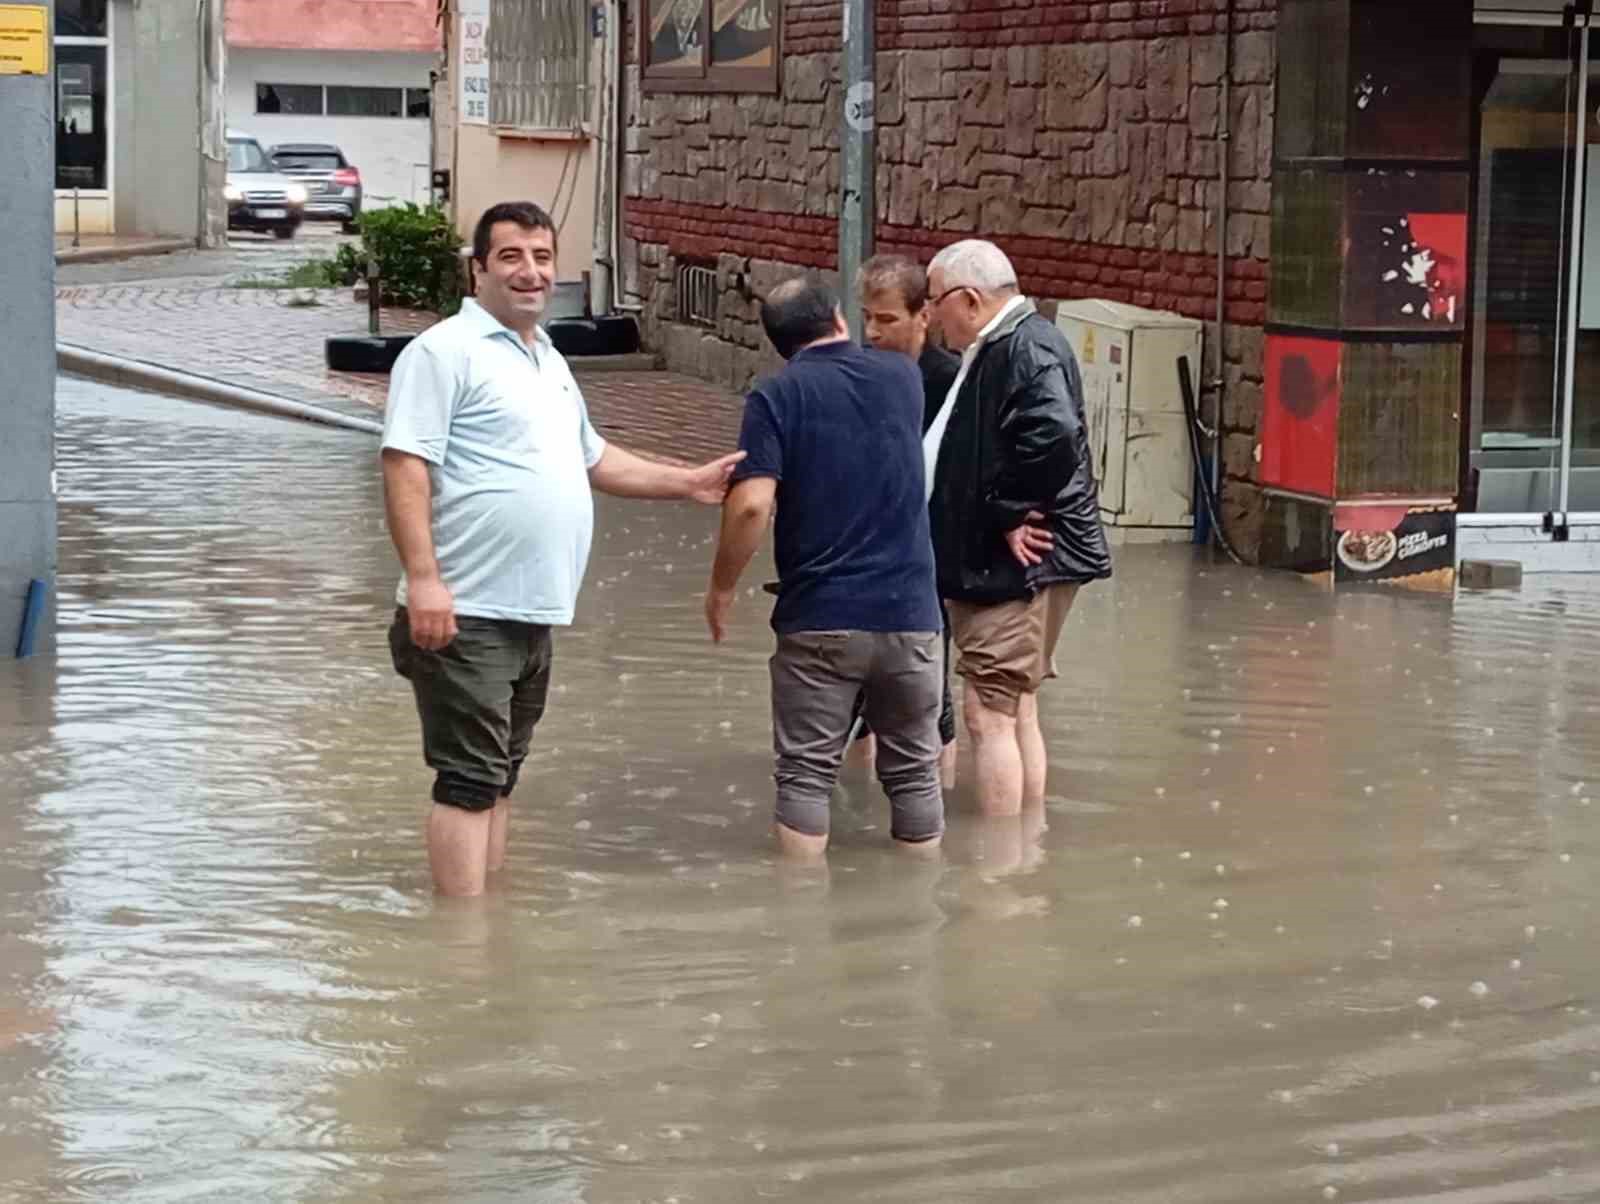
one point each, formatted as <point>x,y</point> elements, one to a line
<point>835,440</point>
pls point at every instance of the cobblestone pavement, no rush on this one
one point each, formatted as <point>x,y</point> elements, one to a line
<point>272,339</point>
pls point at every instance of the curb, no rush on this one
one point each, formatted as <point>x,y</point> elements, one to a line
<point>113,254</point>
<point>640,361</point>
<point>136,374</point>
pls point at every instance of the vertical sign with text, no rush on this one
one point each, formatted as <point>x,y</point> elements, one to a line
<point>473,68</point>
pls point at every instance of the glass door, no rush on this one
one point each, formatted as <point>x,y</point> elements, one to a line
<point>1532,177</point>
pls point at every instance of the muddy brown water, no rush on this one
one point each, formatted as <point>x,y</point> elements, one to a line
<point>1312,916</point>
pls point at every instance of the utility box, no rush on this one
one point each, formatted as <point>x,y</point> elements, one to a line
<point>1138,431</point>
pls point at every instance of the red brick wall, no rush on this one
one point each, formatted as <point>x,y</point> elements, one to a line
<point>1081,136</point>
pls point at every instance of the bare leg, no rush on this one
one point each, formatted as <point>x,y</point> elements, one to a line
<point>865,751</point>
<point>947,766</point>
<point>458,849</point>
<point>922,850</point>
<point>798,846</point>
<point>1031,741</point>
<point>998,755</point>
<point>499,825</point>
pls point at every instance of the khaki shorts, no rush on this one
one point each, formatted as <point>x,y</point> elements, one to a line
<point>1008,650</point>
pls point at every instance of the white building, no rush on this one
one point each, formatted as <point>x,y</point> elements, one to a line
<point>356,74</point>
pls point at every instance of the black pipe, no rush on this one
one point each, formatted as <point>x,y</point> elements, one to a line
<point>1207,493</point>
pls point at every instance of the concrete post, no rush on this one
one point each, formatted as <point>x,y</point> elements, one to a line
<point>27,387</point>
<point>858,142</point>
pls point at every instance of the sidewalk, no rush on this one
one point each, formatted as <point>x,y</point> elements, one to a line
<point>271,340</point>
<point>110,248</point>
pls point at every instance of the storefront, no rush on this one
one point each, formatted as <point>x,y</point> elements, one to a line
<point>84,113</point>
<point>1432,352</point>
<point>1531,448</point>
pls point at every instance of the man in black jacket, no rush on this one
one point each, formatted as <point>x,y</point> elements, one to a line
<point>1015,513</point>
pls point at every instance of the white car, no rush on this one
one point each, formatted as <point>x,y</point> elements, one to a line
<point>259,196</point>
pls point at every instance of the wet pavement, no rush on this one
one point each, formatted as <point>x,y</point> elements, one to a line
<point>1312,916</point>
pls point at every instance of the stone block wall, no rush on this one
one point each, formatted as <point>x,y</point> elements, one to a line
<point>1082,136</point>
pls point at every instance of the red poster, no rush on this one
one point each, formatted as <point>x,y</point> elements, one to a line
<point>1300,422</point>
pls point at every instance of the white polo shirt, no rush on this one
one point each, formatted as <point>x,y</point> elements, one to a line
<point>509,446</point>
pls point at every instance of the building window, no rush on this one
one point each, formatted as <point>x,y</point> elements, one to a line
<point>81,19</point>
<point>80,117</point>
<point>539,54</point>
<point>419,102</point>
<point>299,99</point>
<point>710,45</point>
<point>697,294</point>
<point>345,101</point>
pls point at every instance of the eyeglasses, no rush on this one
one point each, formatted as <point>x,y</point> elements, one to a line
<point>967,287</point>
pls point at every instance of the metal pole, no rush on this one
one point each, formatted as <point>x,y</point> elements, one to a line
<point>1224,151</point>
<point>1574,291</point>
<point>374,298</point>
<point>858,146</point>
<point>77,240</point>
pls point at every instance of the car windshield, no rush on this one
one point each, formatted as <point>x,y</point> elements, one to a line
<point>247,157</point>
<point>307,160</point>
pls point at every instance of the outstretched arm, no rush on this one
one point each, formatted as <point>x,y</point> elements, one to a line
<point>622,474</point>
<point>744,521</point>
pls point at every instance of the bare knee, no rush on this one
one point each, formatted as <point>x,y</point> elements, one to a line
<point>1028,710</point>
<point>985,720</point>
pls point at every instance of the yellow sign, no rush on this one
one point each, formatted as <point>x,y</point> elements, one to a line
<point>1088,344</point>
<point>24,40</point>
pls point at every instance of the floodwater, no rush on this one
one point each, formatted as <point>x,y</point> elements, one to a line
<point>1312,918</point>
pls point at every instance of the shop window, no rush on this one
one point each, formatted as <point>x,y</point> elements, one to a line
<point>80,117</point>
<point>81,19</point>
<point>539,53</point>
<point>710,45</point>
<point>347,101</point>
<point>298,99</point>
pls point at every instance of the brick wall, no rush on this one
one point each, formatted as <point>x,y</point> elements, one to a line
<point>1083,137</point>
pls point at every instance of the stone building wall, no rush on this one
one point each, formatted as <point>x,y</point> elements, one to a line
<point>1081,136</point>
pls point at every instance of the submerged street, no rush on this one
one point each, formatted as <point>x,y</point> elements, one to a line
<point>1311,917</point>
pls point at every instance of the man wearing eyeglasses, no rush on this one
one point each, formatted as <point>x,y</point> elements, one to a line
<point>1015,514</point>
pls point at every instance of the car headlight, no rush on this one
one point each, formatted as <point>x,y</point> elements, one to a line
<point>297,194</point>
<point>232,192</point>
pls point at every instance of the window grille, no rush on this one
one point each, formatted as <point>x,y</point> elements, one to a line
<point>539,64</point>
<point>697,295</point>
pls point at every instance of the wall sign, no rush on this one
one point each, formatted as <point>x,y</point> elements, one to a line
<point>473,63</point>
<point>24,39</point>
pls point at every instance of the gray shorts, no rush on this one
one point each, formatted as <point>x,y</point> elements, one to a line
<point>816,676</point>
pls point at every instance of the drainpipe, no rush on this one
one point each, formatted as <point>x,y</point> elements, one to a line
<point>433,134</point>
<point>605,150</point>
<point>1224,149</point>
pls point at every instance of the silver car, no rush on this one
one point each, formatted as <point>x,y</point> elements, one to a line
<point>259,198</point>
<point>333,185</point>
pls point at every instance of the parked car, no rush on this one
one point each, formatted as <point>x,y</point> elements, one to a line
<point>259,196</point>
<point>332,182</point>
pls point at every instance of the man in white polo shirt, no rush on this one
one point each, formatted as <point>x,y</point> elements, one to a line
<point>488,460</point>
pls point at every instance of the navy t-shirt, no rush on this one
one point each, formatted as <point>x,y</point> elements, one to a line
<point>840,428</point>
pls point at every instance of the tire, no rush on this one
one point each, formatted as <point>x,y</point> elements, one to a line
<point>365,353</point>
<point>578,337</point>
<point>283,232</point>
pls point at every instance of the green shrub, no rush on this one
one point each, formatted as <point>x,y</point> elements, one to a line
<point>314,273</point>
<point>417,252</point>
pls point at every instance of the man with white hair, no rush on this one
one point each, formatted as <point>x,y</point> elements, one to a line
<point>1015,514</point>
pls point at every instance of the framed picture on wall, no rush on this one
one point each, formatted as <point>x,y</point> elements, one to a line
<point>711,45</point>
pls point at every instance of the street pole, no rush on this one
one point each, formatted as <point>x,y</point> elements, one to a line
<point>28,318</point>
<point>858,143</point>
